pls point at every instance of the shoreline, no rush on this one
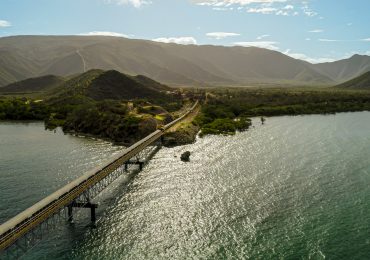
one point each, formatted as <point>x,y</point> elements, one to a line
<point>179,137</point>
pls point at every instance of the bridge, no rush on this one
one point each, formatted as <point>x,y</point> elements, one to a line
<point>25,230</point>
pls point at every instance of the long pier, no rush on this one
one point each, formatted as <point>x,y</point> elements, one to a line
<point>77,193</point>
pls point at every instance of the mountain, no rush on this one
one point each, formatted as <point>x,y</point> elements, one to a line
<point>39,84</point>
<point>361,82</point>
<point>101,85</point>
<point>194,65</point>
<point>346,69</point>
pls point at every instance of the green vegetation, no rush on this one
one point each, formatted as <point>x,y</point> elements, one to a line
<point>106,104</point>
<point>32,85</point>
<point>223,106</point>
<point>124,109</point>
<point>21,109</point>
<point>107,119</point>
<point>225,126</point>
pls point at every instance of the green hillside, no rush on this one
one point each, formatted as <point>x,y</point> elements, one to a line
<point>361,82</point>
<point>107,104</point>
<point>102,85</point>
<point>40,84</point>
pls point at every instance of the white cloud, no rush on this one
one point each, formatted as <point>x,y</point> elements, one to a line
<point>349,24</point>
<point>101,33</point>
<point>178,40</point>
<point>350,54</point>
<point>135,3</point>
<point>328,40</point>
<point>237,2</point>
<point>263,36</point>
<point>304,57</point>
<point>288,7</point>
<point>220,8</point>
<point>350,40</point>
<point>307,10</point>
<point>316,31</point>
<point>260,44</point>
<point>277,7</point>
<point>281,12</point>
<point>263,10</point>
<point>308,39</point>
<point>4,23</point>
<point>221,35</point>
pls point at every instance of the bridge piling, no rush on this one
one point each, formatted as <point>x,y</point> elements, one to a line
<point>140,163</point>
<point>70,213</point>
<point>88,205</point>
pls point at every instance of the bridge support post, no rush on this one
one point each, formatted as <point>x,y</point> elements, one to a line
<point>70,213</point>
<point>141,164</point>
<point>89,205</point>
<point>92,213</point>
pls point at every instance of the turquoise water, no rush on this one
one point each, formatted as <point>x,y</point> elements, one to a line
<point>294,188</point>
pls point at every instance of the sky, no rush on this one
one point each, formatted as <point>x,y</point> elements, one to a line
<point>312,30</point>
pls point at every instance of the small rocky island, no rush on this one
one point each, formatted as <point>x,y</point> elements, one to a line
<point>185,157</point>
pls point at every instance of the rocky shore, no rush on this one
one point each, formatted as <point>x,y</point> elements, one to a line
<point>185,134</point>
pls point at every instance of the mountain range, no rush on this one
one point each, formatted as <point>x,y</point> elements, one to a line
<point>25,57</point>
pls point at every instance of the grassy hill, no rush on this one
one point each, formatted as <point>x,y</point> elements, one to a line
<point>101,85</point>
<point>361,82</point>
<point>32,85</point>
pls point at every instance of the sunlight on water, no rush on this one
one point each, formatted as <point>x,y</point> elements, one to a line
<point>296,187</point>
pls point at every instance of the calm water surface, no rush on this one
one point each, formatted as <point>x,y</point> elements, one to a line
<point>294,188</point>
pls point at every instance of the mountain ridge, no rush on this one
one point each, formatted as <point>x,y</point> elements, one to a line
<point>173,64</point>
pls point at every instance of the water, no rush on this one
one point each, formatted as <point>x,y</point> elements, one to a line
<point>294,188</point>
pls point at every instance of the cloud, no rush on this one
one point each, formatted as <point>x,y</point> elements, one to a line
<point>221,35</point>
<point>263,10</point>
<point>178,40</point>
<point>277,7</point>
<point>328,40</point>
<point>301,56</point>
<point>100,33</point>
<point>135,3</point>
<point>263,36</point>
<point>260,44</point>
<point>307,10</point>
<point>353,40</point>
<point>4,23</point>
<point>288,7</point>
<point>316,31</point>
<point>237,2</point>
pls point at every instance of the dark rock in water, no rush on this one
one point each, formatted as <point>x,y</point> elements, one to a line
<point>185,157</point>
